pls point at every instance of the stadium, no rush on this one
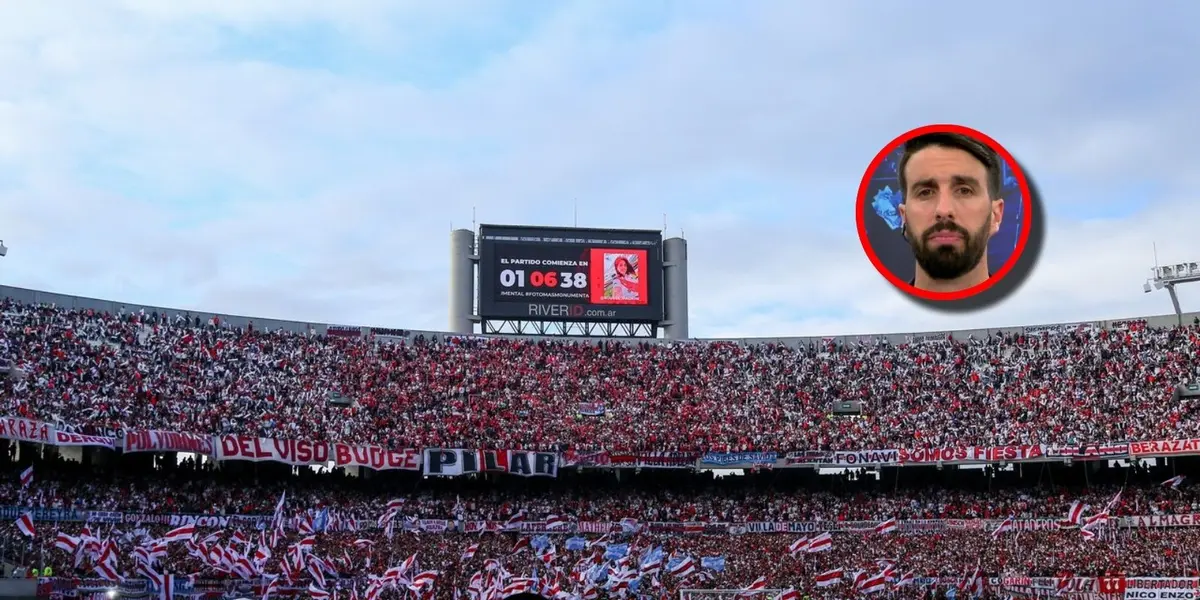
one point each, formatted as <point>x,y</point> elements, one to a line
<point>236,457</point>
<point>900,352</point>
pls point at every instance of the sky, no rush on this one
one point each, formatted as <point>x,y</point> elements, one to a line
<point>304,159</point>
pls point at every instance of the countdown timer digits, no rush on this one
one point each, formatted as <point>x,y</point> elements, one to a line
<point>519,278</point>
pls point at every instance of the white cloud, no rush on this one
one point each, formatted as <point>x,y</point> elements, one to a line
<point>142,158</point>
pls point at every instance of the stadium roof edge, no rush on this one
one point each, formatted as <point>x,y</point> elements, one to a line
<point>32,296</point>
<point>552,228</point>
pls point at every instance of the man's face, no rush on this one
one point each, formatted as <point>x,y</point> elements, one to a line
<point>948,215</point>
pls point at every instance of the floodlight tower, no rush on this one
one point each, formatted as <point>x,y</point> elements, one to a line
<point>1170,276</point>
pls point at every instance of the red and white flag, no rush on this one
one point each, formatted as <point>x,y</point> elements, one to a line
<point>858,578</point>
<point>830,578</point>
<point>1172,483</point>
<point>798,546</point>
<point>886,527</point>
<point>821,543</point>
<point>1075,513</point>
<point>788,594</point>
<point>974,583</point>
<point>686,567</point>
<point>180,534</point>
<point>166,587</point>
<point>1004,527</point>
<point>1116,500</point>
<point>271,587</point>
<point>425,579</point>
<point>66,543</point>
<point>515,521</point>
<point>518,585</point>
<point>889,569</point>
<point>755,587</point>
<point>975,588</point>
<point>1097,520</point>
<point>106,565</point>
<point>873,584</point>
<point>25,525</point>
<point>27,476</point>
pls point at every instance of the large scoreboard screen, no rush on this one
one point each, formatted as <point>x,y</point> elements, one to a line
<point>561,274</point>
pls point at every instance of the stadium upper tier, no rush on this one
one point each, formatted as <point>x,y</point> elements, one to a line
<point>158,369</point>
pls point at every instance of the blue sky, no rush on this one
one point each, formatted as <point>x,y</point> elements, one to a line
<point>306,159</point>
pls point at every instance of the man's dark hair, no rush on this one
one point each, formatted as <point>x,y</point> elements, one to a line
<point>981,151</point>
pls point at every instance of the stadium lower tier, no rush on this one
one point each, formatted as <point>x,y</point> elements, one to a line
<point>717,562</point>
<point>141,485</point>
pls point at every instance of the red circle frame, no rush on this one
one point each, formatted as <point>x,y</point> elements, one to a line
<point>1022,238</point>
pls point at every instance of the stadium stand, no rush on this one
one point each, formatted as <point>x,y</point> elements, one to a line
<point>959,444</point>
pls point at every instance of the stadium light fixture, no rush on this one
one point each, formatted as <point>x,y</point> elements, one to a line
<point>1168,277</point>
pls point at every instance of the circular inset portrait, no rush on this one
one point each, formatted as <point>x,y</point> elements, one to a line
<point>944,212</point>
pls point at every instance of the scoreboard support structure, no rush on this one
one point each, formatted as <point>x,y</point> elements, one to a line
<point>568,328</point>
<point>529,263</point>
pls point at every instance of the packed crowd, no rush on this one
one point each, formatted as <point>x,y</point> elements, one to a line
<point>147,371</point>
<point>198,489</point>
<point>746,557</point>
<point>192,489</point>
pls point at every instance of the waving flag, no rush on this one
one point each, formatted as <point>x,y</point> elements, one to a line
<point>515,521</point>
<point>180,534</point>
<point>1116,500</point>
<point>166,586</point>
<point>27,476</point>
<point>1006,526</point>
<point>25,525</point>
<point>821,543</point>
<point>106,566</point>
<point>1096,520</point>
<point>66,543</point>
<point>616,551</point>
<point>873,584</point>
<point>681,567</point>
<point>271,587</point>
<point>755,587</point>
<point>830,578</point>
<point>886,527</point>
<point>1075,513</point>
<point>321,524</point>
